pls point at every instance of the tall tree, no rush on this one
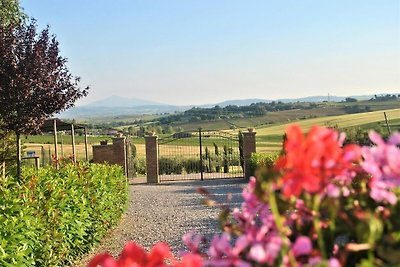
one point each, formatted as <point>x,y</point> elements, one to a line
<point>35,82</point>
<point>10,13</point>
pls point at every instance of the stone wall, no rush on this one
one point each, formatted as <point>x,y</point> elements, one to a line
<point>114,153</point>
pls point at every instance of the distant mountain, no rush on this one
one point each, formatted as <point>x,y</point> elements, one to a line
<point>122,102</point>
<point>239,102</point>
<point>97,111</point>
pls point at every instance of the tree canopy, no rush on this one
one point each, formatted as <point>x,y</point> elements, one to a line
<point>35,82</point>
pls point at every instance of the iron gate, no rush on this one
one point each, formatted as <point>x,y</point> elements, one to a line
<point>200,155</point>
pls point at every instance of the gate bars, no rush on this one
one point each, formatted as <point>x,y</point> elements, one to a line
<point>200,155</point>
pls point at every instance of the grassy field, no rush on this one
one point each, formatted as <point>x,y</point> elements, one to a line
<point>269,138</point>
<point>123,118</point>
<point>66,139</point>
<point>287,116</point>
<point>268,119</point>
<point>322,110</point>
<point>342,121</point>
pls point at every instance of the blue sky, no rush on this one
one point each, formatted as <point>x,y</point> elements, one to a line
<point>197,52</point>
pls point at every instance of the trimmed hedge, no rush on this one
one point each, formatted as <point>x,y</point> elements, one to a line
<point>258,160</point>
<point>51,217</point>
<point>211,163</point>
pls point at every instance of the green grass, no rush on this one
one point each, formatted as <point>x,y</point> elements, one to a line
<point>273,125</point>
<point>123,118</point>
<point>268,119</point>
<point>67,139</point>
<point>269,138</point>
<point>287,116</point>
<point>393,124</point>
<point>374,105</point>
<point>342,121</point>
<point>194,141</point>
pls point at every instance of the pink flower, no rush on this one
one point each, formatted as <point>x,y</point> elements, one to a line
<point>333,262</point>
<point>192,241</point>
<point>302,246</point>
<point>382,162</point>
<point>220,246</point>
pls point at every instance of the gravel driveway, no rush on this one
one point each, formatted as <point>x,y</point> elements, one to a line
<point>166,211</point>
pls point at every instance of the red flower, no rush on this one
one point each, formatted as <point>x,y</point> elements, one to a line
<point>311,162</point>
<point>190,260</point>
<point>134,255</point>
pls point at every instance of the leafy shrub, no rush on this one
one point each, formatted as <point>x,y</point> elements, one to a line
<point>169,165</point>
<point>175,165</point>
<point>192,165</point>
<point>359,136</point>
<point>51,217</point>
<point>258,160</point>
<point>139,166</point>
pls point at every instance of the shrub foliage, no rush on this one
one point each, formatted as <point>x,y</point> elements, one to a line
<point>51,217</point>
<point>262,160</point>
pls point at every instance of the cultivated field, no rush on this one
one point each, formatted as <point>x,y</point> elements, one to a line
<point>286,116</point>
<point>342,121</point>
<point>269,138</point>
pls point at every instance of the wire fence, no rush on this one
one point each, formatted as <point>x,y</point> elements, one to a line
<point>199,155</point>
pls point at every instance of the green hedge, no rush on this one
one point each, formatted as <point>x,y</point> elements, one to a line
<point>213,163</point>
<point>52,217</point>
<point>262,160</point>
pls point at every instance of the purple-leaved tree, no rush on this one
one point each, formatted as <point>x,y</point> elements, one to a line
<point>35,82</point>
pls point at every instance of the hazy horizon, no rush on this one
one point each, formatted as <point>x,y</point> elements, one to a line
<point>228,99</point>
<point>201,52</point>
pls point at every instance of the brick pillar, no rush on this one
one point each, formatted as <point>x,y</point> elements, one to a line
<point>112,154</point>
<point>249,147</point>
<point>119,146</point>
<point>152,159</point>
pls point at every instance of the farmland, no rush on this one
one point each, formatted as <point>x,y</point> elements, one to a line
<point>231,120</point>
<point>269,136</point>
<point>342,121</point>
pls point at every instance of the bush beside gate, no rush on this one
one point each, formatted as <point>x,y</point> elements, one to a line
<point>52,217</point>
<point>184,165</point>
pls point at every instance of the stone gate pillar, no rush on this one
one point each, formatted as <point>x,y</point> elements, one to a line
<point>249,147</point>
<point>152,159</point>
<point>114,153</point>
<point>119,145</point>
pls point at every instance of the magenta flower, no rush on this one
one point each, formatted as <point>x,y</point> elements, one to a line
<point>193,241</point>
<point>302,246</point>
<point>382,162</point>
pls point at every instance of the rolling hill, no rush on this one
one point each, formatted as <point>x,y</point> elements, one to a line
<point>117,105</point>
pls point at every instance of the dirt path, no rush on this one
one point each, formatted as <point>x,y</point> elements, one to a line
<point>167,211</point>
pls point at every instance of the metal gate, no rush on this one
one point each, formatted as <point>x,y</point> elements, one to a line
<point>200,155</point>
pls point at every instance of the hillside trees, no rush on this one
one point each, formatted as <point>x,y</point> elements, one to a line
<point>35,82</point>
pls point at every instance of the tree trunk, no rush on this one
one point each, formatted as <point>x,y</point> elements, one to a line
<point>18,135</point>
